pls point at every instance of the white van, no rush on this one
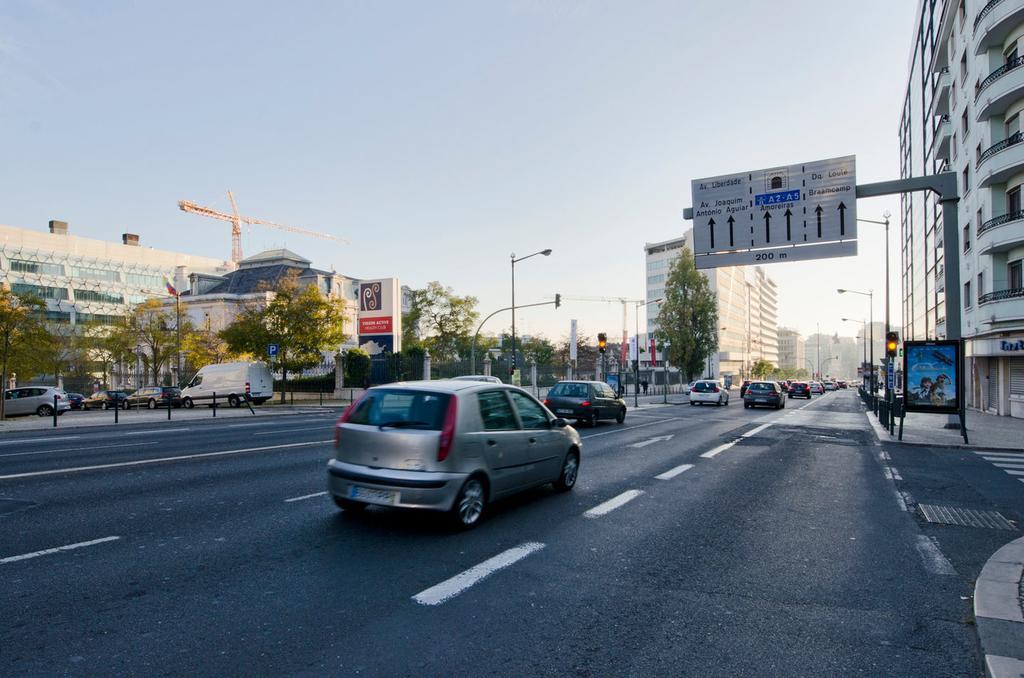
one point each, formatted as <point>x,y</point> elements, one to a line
<point>230,382</point>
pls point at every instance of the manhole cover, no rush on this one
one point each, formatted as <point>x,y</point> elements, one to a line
<point>949,515</point>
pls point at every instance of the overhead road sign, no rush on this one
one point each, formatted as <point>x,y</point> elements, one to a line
<point>792,213</point>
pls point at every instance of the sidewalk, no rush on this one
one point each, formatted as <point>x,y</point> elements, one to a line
<point>983,430</point>
<point>999,611</point>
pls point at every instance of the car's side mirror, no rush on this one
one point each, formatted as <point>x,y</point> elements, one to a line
<point>559,423</point>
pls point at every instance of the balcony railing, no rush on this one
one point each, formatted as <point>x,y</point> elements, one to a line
<point>1000,220</point>
<point>1011,140</point>
<point>1017,293</point>
<point>985,11</point>
<point>1010,65</point>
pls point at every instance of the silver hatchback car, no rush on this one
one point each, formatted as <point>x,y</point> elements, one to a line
<point>35,400</point>
<point>450,446</point>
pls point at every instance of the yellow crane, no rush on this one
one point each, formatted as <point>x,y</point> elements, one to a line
<point>236,220</point>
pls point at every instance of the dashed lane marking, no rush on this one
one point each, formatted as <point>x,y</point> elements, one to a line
<point>613,503</point>
<point>58,549</point>
<point>157,431</point>
<point>92,448</point>
<point>38,440</point>
<point>450,588</point>
<point>305,496</point>
<point>711,454</point>
<point>672,473</point>
<point>934,561</point>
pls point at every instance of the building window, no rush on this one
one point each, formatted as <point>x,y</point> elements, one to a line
<point>977,155</point>
<point>963,66</point>
<point>29,266</point>
<point>981,286</point>
<point>961,12</point>
<point>103,274</point>
<point>1013,201</point>
<point>1011,53</point>
<point>100,297</point>
<point>1014,273</point>
<point>967,179</point>
<point>967,237</point>
<point>40,291</point>
<point>964,125</point>
<point>967,294</point>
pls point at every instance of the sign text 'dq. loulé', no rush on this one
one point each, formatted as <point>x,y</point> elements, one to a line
<point>792,213</point>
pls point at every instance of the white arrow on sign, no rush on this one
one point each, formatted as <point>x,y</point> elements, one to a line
<point>651,441</point>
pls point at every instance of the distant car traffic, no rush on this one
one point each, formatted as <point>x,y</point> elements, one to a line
<point>450,445</point>
<point>586,402</point>
<point>743,387</point>
<point>478,377</point>
<point>707,391</point>
<point>153,397</point>
<point>34,400</point>
<point>842,384</point>
<point>764,393</point>
<point>799,389</point>
<point>104,400</point>
<point>816,387</point>
<point>830,386</point>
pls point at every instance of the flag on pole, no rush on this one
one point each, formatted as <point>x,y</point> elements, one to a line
<point>170,288</point>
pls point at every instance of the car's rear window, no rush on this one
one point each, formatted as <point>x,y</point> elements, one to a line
<point>566,390</point>
<point>761,388</point>
<point>402,408</point>
<point>704,387</point>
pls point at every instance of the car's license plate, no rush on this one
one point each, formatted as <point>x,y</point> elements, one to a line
<point>373,496</point>
<point>563,411</point>
<point>761,400</point>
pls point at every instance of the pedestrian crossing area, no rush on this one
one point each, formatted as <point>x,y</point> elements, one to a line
<point>1010,462</point>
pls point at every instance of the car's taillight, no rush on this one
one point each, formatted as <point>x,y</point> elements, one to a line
<point>714,389</point>
<point>546,402</point>
<point>585,403</point>
<point>345,417</point>
<point>444,445</point>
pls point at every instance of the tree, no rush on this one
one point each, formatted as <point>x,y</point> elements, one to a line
<point>587,355</point>
<point>539,349</point>
<point>688,318</point>
<point>63,351</point>
<point>204,347</point>
<point>153,329</point>
<point>761,369</point>
<point>302,321</point>
<point>20,320</point>
<point>447,319</point>
<point>357,367</point>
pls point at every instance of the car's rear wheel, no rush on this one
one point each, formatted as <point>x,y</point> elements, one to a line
<point>348,504</point>
<point>187,403</point>
<point>45,411</point>
<point>622,416</point>
<point>469,504</point>
<point>234,401</point>
<point>104,406</point>
<point>570,471</point>
<point>592,419</point>
<point>151,404</point>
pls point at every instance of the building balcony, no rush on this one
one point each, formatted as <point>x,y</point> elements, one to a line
<point>994,22</point>
<point>1002,91</point>
<point>940,101</point>
<point>1001,161</point>
<point>941,138</point>
<point>1001,234</point>
<point>1001,295</point>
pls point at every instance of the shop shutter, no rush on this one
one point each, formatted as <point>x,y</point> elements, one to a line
<point>992,401</point>
<point>1017,376</point>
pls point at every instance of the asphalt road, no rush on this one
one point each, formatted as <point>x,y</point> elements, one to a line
<point>773,543</point>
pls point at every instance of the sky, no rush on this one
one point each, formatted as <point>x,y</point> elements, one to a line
<point>441,137</point>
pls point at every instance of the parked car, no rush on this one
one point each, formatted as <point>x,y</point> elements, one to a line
<point>450,445</point>
<point>799,389</point>
<point>478,377</point>
<point>155,396</point>
<point>104,400</point>
<point>743,387</point>
<point>75,400</point>
<point>231,383</point>
<point>34,400</point>
<point>688,387</point>
<point>586,401</point>
<point>707,391</point>
<point>766,393</point>
<point>816,387</point>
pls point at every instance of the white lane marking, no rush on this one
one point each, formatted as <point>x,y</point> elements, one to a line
<point>46,552</point>
<point>884,456</point>
<point>934,561</point>
<point>992,456</point>
<point>287,430</point>
<point>305,496</point>
<point>156,431</point>
<point>94,448</point>
<point>160,460</point>
<point>613,503</point>
<point>887,472</point>
<point>651,441</point>
<point>710,454</point>
<point>896,474</point>
<point>627,428</point>
<point>1013,473</point>
<point>37,440</point>
<point>450,588</point>
<point>755,431</point>
<point>672,473</point>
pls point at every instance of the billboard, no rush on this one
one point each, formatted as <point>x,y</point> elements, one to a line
<point>380,316</point>
<point>932,376</point>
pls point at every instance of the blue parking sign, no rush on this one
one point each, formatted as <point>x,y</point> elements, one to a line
<point>272,350</point>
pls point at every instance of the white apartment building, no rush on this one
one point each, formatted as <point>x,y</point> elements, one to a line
<point>86,279</point>
<point>962,113</point>
<point>747,308</point>
<point>792,355</point>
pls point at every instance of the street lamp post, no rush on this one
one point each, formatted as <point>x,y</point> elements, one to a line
<point>863,336</point>
<point>636,340</point>
<point>870,294</point>
<point>546,253</point>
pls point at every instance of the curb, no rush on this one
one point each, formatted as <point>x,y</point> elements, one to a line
<point>883,437</point>
<point>998,612</point>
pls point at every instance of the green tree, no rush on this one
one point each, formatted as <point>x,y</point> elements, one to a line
<point>357,367</point>
<point>587,355</point>
<point>538,348</point>
<point>761,369</point>
<point>688,318</point>
<point>302,321</point>
<point>20,321</point>
<point>153,329</point>
<point>203,347</point>
<point>447,319</point>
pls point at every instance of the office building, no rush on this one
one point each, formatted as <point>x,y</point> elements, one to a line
<point>961,113</point>
<point>747,308</point>
<point>791,350</point>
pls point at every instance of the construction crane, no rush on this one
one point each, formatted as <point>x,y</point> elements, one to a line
<point>236,220</point>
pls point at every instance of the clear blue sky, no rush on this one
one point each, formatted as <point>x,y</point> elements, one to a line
<point>440,137</point>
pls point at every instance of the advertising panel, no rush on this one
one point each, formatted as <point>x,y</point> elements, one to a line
<point>932,372</point>
<point>380,316</point>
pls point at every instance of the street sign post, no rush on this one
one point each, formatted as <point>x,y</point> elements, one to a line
<point>890,374</point>
<point>793,213</point>
<point>272,350</point>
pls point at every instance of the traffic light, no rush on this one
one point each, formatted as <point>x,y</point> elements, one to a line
<point>892,344</point>
<point>558,300</point>
<point>602,341</point>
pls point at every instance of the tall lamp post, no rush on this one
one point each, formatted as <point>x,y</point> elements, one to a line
<point>870,294</point>
<point>515,261</point>
<point>636,340</point>
<point>863,335</point>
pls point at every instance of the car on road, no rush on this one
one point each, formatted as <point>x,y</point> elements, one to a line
<point>816,387</point>
<point>104,400</point>
<point>708,391</point>
<point>75,400</point>
<point>830,386</point>
<point>153,397</point>
<point>842,384</point>
<point>35,400</point>
<point>478,377</point>
<point>799,389</point>
<point>450,446</point>
<point>764,393</point>
<point>586,401</point>
<point>232,382</point>
<point>743,387</point>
